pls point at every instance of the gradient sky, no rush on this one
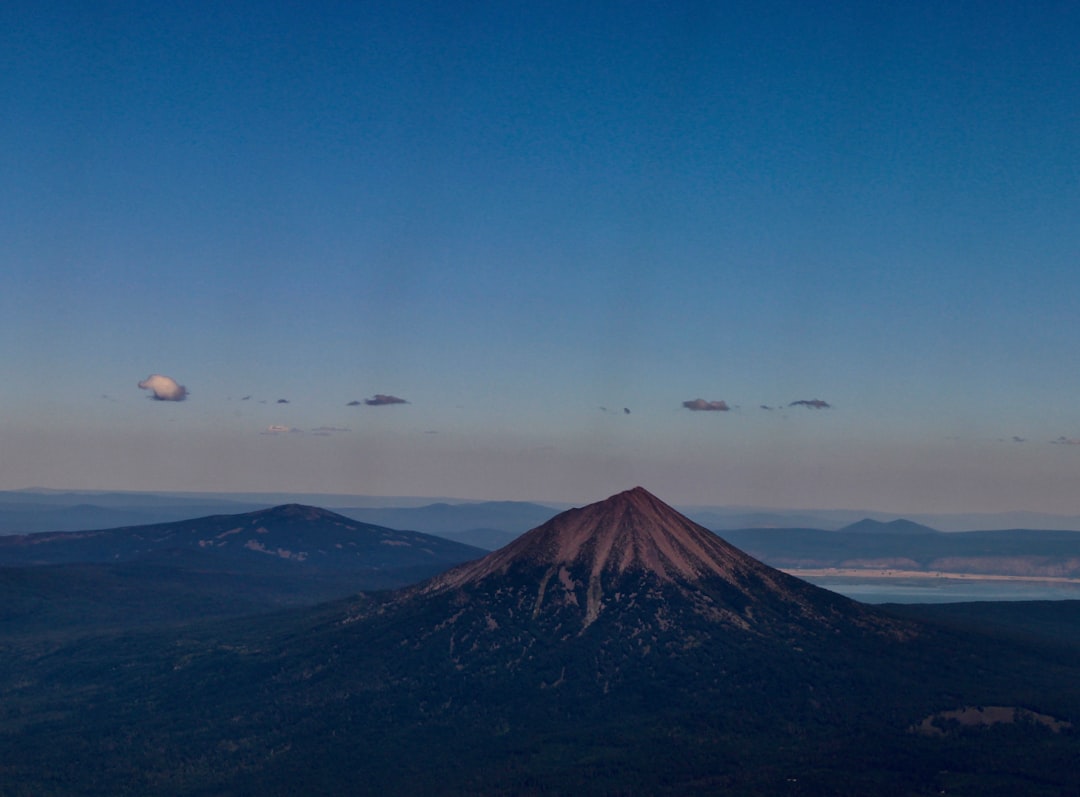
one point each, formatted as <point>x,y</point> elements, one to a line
<point>525,219</point>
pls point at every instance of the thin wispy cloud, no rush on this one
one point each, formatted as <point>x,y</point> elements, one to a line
<point>164,388</point>
<point>701,405</point>
<point>1066,441</point>
<point>329,430</point>
<point>276,428</point>
<point>814,404</point>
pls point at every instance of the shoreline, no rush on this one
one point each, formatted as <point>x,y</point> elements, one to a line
<point>922,575</point>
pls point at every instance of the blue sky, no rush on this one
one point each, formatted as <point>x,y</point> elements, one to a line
<point>522,219</point>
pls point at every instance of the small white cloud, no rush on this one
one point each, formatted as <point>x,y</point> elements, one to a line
<point>164,388</point>
<point>276,428</point>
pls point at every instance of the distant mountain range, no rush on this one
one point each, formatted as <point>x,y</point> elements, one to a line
<point>864,544</point>
<point>618,648</point>
<point>31,511</point>
<point>725,518</point>
<point>899,526</point>
<point>905,546</point>
<point>489,524</point>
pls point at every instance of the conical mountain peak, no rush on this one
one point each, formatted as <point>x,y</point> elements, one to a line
<point>630,532</point>
<point>634,559</point>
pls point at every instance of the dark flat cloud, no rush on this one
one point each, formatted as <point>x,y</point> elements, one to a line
<point>701,405</point>
<point>1066,441</point>
<point>382,400</point>
<point>814,404</point>
<point>354,403</point>
<point>282,401</point>
<point>164,388</point>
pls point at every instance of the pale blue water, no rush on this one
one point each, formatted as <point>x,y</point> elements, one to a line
<point>937,590</point>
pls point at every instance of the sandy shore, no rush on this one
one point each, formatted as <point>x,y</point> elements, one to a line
<point>924,575</point>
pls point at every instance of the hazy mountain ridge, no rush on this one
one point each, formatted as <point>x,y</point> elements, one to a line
<point>32,511</point>
<point>1016,552</point>
<point>215,565</point>
<point>898,526</point>
<point>304,535</point>
<point>27,511</point>
<point>513,517</point>
<point>720,518</point>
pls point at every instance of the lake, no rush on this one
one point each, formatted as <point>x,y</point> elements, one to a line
<point>944,590</point>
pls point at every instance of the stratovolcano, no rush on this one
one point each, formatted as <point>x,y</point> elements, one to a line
<point>618,555</point>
